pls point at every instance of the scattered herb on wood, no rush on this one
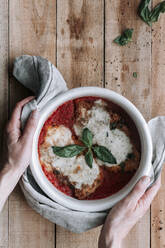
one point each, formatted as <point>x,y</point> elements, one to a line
<point>135,74</point>
<point>150,16</point>
<point>124,38</point>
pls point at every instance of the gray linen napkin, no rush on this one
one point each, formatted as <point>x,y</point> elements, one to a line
<point>41,77</point>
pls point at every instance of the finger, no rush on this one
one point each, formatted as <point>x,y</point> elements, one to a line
<point>149,195</point>
<point>14,122</point>
<point>30,127</point>
<point>138,190</point>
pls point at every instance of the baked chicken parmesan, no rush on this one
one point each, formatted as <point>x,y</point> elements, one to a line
<point>89,148</point>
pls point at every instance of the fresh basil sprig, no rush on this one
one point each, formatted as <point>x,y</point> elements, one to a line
<point>150,16</point>
<point>104,154</point>
<point>89,158</point>
<point>87,137</point>
<point>101,152</point>
<point>125,38</point>
<point>68,151</point>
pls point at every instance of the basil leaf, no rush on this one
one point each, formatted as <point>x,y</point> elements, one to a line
<point>144,11</point>
<point>155,13</point>
<point>104,154</point>
<point>150,16</point>
<point>68,151</point>
<point>125,38</point>
<point>135,74</point>
<point>87,137</point>
<point>89,158</point>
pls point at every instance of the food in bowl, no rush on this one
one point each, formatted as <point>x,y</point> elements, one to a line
<point>89,148</point>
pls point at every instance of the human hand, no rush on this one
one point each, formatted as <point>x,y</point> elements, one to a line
<point>18,145</point>
<point>126,213</point>
<point>17,149</point>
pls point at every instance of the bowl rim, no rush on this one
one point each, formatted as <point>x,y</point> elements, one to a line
<point>146,148</point>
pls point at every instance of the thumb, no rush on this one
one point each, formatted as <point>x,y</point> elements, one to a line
<point>30,127</point>
<point>139,190</point>
<point>151,193</point>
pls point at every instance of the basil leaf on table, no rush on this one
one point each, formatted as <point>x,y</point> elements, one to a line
<point>155,13</point>
<point>134,74</point>
<point>87,137</point>
<point>89,158</point>
<point>104,154</point>
<point>150,16</point>
<point>125,38</point>
<point>144,11</point>
<point>68,151</point>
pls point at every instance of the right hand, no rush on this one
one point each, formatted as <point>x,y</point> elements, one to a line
<point>127,212</point>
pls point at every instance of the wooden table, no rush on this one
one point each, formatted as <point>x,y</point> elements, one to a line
<point>77,37</point>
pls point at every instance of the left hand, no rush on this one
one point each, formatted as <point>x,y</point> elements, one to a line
<point>17,149</point>
<point>18,145</point>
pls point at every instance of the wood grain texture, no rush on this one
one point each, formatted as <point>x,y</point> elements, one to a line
<point>3,104</point>
<point>66,239</point>
<point>32,30</point>
<point>4,231</point>
<point>26,227</point>
<point>120,63</point>
<point>80,42</point>
<point>80,59</point>
<point>80,55</point>
<point>158,108</point>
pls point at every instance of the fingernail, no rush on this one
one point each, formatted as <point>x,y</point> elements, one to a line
<point>145,180</point>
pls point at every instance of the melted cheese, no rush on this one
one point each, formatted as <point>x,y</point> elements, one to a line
<point>98,123</point>
<point>75,168</point>
<point>58,136</point>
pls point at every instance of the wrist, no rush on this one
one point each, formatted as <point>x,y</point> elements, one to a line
<point>9,176</point>
<point>108,239</point>
<point>113,243</point>
<point>13,168</point>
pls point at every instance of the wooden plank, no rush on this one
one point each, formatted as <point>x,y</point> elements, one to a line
<point>3,104</point>
<point>80,59</point>
<point>158,218</point>
<point>80,42</point>
<point>26,226</point>
<point>68,239</point>
<point>120,63</point>
<point>32,31</point>
<point>158,103</point>
<point>4,230</point>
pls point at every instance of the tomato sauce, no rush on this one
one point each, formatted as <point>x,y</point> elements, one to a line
<point>53,179</point>
<point>113,182</point>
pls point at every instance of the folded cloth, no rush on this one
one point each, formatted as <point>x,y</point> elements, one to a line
<point>42,78</point>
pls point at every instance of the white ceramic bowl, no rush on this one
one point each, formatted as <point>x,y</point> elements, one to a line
<point>146,150</point>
